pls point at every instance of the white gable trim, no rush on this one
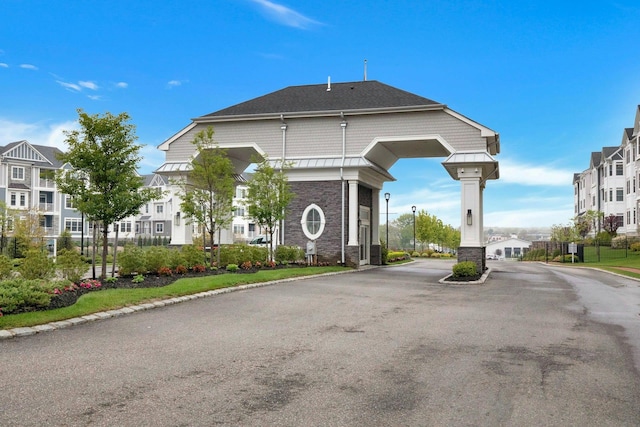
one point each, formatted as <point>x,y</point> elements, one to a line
<point>165,145</point>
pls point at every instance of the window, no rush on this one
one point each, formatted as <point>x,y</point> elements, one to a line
<point>312,222</point>
<point>159,227</point>
<point>73,225</point>
<point>610,170</point>
<point>619,195</point>
<point>159,209</point>
<point>619,169</point>
<point>17,172</point>
<point>137,228</point>
<point>125,227</point>
<point>17,199</point>
<point>610,195</point>
<point>238,211</point>
<point>146,208</point>
<point>68,202</point>
<point>238,229</point>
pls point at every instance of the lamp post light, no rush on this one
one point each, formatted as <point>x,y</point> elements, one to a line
<point>387,196</point>
<point>413,209</point>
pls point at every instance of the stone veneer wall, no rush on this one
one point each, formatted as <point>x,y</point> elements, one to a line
<point>327,195</point>
<point>475,254</point>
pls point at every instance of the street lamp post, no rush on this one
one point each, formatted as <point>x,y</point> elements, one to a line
<point>387,196</point>
<point>413,209</point>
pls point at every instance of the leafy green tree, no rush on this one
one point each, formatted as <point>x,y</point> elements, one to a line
<point>268,196</point>
<point>207,192</point>
<point>563,233</point>
<point>426,227</point>
<point>28,232</point>
<point>103,158</point>
<point>404,226</point>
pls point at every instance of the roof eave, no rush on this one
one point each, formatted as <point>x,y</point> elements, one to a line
<point>322,113</point>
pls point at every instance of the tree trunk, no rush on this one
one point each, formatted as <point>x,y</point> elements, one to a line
<point>218,249</point>
<point>115,253</point>
<point>105,250</point>
<point>211,238</point>
<point>93,252</point>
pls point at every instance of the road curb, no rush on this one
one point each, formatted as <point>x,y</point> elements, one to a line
<point>6,334</point>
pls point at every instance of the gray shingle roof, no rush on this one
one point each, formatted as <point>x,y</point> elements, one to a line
<point>362,95</point>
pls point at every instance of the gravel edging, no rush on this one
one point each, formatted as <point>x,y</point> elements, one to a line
<point>52,326</point>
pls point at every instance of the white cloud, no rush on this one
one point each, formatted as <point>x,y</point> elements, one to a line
<point>529,218</point>
<point>122,85</point>
<point>40,133</point>
<point>88,85</point>
<point>94,97</point>
<point>174,83</point>
<point>284,15</point>
<point>3,65</point>
<point>69,86</point>
<point>512,172</point>
<point>152,159</point>
<point>28,67</point>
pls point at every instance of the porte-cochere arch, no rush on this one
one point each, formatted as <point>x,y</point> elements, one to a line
<point>341,140</point>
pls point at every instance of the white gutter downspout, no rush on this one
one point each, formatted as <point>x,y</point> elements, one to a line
<point>343,124</point>
<point>283,127</point>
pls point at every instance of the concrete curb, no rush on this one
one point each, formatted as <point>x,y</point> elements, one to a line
<point>480,281</point>
<point>52,326</point>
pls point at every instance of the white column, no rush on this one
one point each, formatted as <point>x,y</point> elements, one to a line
<point>375,216</point>
<point>353,213</point>
<point>471,194</point>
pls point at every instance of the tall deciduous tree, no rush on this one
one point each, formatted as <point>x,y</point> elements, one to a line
<point>268,196</point>
<point>103,180</point>
<point>207,192</point>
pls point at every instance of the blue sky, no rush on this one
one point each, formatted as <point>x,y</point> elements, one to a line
<point>557,80</point>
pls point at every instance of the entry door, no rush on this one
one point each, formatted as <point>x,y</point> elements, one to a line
<point>364,216</point>
<point>365,244</point>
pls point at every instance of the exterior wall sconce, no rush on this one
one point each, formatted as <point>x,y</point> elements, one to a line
<point>177,218</point>
<point>469,217</point>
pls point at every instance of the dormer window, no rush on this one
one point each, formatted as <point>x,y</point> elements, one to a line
<point>17,173</point>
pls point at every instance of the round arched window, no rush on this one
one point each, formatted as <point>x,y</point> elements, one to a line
<point>312,222</point>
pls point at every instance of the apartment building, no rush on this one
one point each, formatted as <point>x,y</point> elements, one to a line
<point>27,183</point>
<point>610,183</point>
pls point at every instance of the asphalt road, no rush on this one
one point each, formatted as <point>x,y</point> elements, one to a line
<point>534,346</point>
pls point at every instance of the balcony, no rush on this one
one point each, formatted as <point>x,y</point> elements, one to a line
<point>47,183</point>
<point>45,207</point>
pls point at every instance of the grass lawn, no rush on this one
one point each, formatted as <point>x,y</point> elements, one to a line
<point>613,260</point>
<point>111,299</point>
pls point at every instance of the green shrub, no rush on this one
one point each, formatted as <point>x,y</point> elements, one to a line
<point>619,242</point>
<point>384,251</point>
<point>6,267</point>
<point>415,254</point>
<point>36,265</point>
<point>138,279</point>
<point>156,258</point>
<point>64,241</point>
<point>566,258</point>
<point>22,295</point>
<point>465,269</point>
<point>132,260</point>
<point>71,265</point>
<point>288,254</point>
<point>176,258</point>
<point>232,268</point>
<point>396,256</point>
<point>635,247</point>
<point>603,238</point>
<point>192,255</point>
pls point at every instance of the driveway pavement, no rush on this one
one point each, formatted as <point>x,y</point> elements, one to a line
<point>381,347</point>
